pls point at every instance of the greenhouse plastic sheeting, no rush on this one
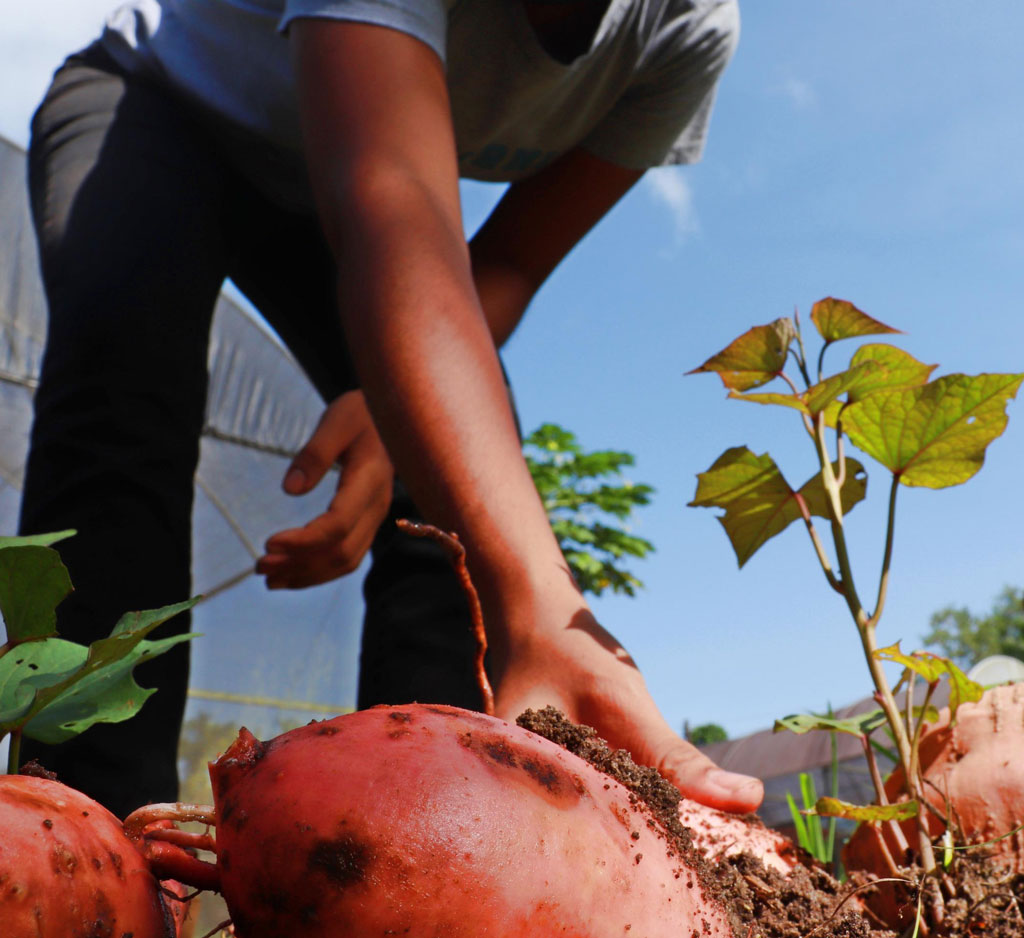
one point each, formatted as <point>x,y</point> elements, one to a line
<point>291,652</point>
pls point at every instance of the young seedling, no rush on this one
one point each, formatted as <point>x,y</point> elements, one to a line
<point>925,433</point>
<point>52,689</point>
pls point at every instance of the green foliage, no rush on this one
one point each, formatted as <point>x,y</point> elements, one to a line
<point>758,501</point>
<point>810,832</point>
<point>930,433</point>
<point>932,668</point>
<point>33,581</point>
<point>581,493</point>
<point>705,734</point>
<point>966,638</point>
<point>862,725</point>
<point>754,358</point>
<point>52,689</point>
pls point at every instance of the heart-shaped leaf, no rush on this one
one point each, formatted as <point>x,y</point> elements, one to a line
<point>758,501</point>
<point>754,358</point>
<point>840,319</point>
<point>934,435</point>
<point>896,369</point>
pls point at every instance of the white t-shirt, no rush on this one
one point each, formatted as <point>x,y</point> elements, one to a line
<point>640,97</point>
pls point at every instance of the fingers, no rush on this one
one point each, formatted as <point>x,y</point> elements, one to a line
<point>587,675</point>
<point>698,778</point>
<point>343,420</point>
<point>335,542</point>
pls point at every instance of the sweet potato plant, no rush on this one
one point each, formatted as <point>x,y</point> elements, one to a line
<point>924,432</point>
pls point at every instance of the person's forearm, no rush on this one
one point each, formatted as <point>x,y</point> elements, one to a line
<point>430,372</point>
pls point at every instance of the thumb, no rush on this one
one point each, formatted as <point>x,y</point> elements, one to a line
<point>699,779</point>
<point>306,470</point>
<point>331,437</point>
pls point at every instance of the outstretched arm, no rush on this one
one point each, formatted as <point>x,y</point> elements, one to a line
<point>381,157</point>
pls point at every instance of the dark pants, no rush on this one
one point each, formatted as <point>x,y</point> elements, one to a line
<point>140,217</point>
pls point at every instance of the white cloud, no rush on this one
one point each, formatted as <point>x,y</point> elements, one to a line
<point>799,93</point>
<point>669,187</point>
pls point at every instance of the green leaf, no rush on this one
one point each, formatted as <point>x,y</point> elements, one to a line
<point>861,725</point>
<point>32,583</point>
<point>758,501</point>
<point>854,489</point>
<point>934,435</point>
<point>35,540</point>
<point>754,358</point>
<point>104,694</point>
<point>932,667</point>
<point>897,369</point>
<point>577,490</point>
<point>73,687</point>
<point>840,319</point>
<point>30,667</point>
<point>799,822</point>
<point>871,813</point>
<point>818,397</point>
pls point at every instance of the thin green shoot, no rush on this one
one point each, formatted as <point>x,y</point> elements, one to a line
<point>810,832</point>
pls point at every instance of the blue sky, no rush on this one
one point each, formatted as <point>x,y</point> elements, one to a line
<point>863,150</point>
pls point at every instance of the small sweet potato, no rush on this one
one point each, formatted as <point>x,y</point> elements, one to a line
<point>67,869</point>
<point>978,765</point>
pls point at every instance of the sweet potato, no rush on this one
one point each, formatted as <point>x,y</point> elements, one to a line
<point>67,869</point>
<point>427,820</point>
<point>978,764</point>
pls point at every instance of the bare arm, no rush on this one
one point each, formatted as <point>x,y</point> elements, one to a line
<point>381,157</point>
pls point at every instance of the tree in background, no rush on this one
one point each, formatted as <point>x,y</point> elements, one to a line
<point>581,492</point>
<point>967,638</point>
<point>704,734</point>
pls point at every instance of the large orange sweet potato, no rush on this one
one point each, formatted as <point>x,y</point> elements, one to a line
<point>430,820</point>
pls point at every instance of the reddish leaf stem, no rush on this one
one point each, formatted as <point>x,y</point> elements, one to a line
<point>457,555</point>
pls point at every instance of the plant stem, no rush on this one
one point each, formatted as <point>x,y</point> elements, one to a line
<point>819,548</point>
<point>883,798</point>
<point>13,752</point>
<point>915,755</point>
<point>883,580</point>
<point>866,629</point>
<point>796,393</point>
<point>836,517</point>
<point>801,359</point>
<point>821,360</point>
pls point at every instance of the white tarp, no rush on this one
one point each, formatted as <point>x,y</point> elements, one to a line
<point>300,646</point>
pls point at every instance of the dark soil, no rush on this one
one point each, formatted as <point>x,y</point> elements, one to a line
<point>980,900</point>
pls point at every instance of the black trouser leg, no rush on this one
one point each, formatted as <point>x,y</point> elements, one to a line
<point>126,208</point>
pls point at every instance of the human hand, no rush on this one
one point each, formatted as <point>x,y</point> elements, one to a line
<point>584,672</point>
<point>335,542</point>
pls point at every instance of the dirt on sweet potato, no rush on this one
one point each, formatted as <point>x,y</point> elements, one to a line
<point>980,898</point>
